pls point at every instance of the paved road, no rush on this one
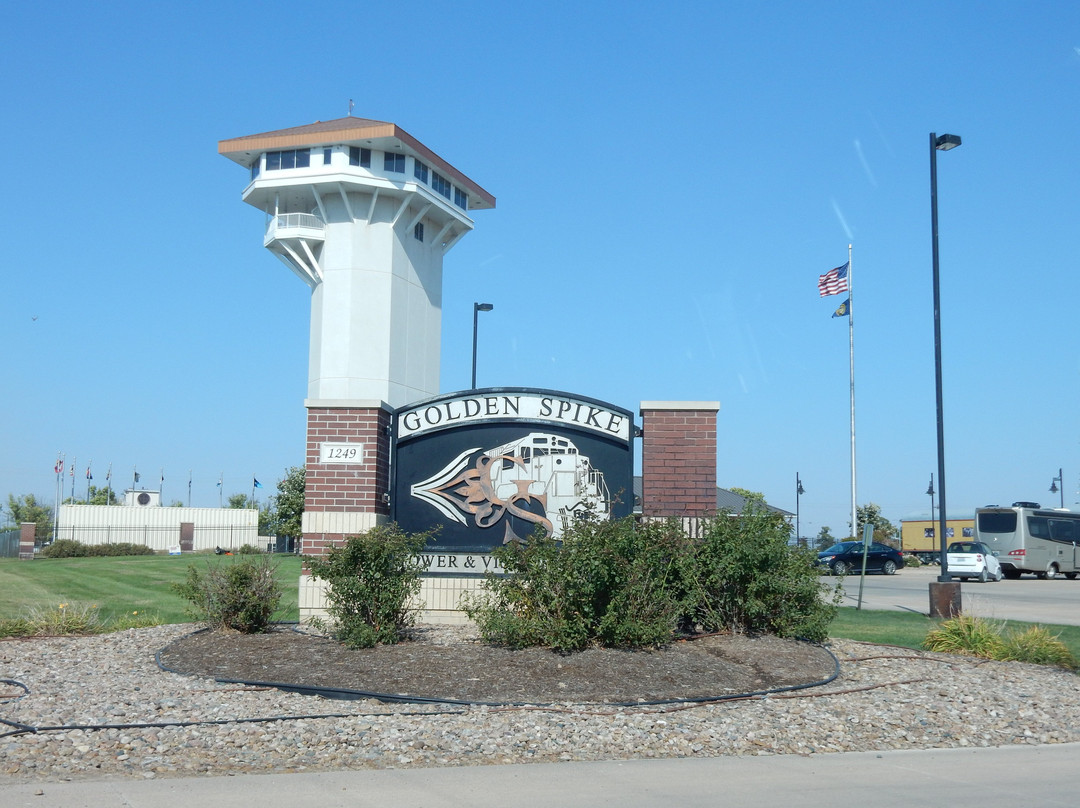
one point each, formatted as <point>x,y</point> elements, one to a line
<point>1029,599</point>
<point>1005,777</point>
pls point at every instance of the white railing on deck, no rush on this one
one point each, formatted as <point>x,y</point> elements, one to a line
<point>294,221</point>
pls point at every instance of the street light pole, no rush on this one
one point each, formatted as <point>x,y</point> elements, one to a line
<point>930,491</point>
<point>944,143</point>
<point>1054,487</point>
<point>798,493</point>
<point>476,308</point>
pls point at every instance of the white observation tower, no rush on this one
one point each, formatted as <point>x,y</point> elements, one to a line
<point>363,213</point>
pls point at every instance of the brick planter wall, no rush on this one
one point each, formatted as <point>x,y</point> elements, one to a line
<point>678,458</point>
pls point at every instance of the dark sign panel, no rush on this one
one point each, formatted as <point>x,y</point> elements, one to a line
<point>492,465</point>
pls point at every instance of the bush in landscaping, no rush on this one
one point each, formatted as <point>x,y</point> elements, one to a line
<point>66,619</point>
<point>623,584</point>
<point>69,548</point>
<point>242,595</point>
<point>249,549</point>
<point>609,582</point>
<point>912,561</point>
<point>371,583</point>
<point>743,576</point>
<point>64,548</point>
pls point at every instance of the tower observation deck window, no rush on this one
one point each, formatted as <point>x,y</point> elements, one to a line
<point>461,199</point>
<point>255,167</point>
<point>418,231</point>
<point>420,171</point>
<point>440,184</point>
<point>394,163</point>
<point>359,156</point>
<point>292,158</point>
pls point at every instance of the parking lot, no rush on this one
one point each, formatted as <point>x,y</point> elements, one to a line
<point>1028,599</point>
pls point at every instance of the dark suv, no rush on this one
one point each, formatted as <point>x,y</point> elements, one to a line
<point>847,557</point>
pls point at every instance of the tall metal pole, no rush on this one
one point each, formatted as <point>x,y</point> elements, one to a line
<point>851,373</point>
<point>475,317</point>
<point>945,142</point>
<point>798,493</point>
<point>476,309</point>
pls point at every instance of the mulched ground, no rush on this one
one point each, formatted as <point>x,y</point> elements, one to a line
<point>446,663</point>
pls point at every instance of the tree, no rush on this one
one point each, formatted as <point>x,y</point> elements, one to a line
<point>240,501</point>
<point>884,530</point>
<point>288,503</point>
<point>749,496</point>
<point>27,509</point>
<point>825,539</point>
<point>95,496</point>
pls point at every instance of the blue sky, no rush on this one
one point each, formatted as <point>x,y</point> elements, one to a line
<point>671,180</point>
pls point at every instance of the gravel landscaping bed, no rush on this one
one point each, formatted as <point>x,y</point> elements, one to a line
<point>101,707</point>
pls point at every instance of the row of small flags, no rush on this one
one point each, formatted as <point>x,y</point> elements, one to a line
<point>834,282</point>
<point>58,469</point>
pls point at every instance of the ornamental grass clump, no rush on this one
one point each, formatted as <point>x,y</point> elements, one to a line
<point>992,639</point>
<point>372,581</point>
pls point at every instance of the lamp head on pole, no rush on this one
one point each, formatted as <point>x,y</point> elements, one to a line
<point>1053,486</point>
<point>946,142</point>
<point>482,306</point>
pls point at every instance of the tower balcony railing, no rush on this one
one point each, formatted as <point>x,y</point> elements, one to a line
<point>294,225</point>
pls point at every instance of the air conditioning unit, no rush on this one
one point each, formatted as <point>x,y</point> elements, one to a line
<point>142,499</point>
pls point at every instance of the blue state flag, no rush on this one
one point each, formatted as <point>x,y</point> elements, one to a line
<point>257,483</point>
<point>844,310</point>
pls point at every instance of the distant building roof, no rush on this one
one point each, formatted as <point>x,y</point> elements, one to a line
<point>725,501</point>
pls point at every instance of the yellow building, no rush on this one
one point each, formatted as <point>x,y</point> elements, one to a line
<point>918,537</point>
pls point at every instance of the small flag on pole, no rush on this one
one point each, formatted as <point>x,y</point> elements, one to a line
<point>59,467</point>
<point>844,310</point>
<point>257,483</point>
<point>834,281</point>
<point>89,476</point>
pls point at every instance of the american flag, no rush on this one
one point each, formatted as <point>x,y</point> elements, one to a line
<point>833,282</point>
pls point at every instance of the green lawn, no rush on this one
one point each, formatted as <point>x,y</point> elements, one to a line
<point>120,585</point>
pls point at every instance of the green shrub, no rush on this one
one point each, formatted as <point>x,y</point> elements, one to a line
<point>242,595</point>
<point>743,576</point>
<point>912,561</point>
<point>118,549</point>
<point>371,583</point>
<point>623,584</point>
<point>607,582</point>
<point>249,549</point>
<point>64,548</point>
<point>69,548</point>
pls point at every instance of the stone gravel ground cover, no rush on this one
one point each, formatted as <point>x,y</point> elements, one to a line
<point>117,714</point>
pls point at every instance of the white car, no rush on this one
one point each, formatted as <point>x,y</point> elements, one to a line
<point>972,559</point>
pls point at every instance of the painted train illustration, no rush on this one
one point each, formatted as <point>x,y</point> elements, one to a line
<point>555,472</point>
<point>539,479</point>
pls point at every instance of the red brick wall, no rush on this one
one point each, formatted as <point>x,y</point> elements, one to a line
<point>678,461</point>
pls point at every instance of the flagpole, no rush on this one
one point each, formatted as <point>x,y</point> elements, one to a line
<point>851,373</point>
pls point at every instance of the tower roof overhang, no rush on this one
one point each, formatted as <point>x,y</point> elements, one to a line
<point>364,132</point>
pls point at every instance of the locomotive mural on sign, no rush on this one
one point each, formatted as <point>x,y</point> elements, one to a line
<point>492,466</point>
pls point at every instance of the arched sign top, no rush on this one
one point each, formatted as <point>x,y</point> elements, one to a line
<point>518,404</point>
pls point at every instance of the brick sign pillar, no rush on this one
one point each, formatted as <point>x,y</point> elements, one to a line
<point>347,473</point>
<point>347,482</point>
<point>678,458</point>
<point>27,531</point>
